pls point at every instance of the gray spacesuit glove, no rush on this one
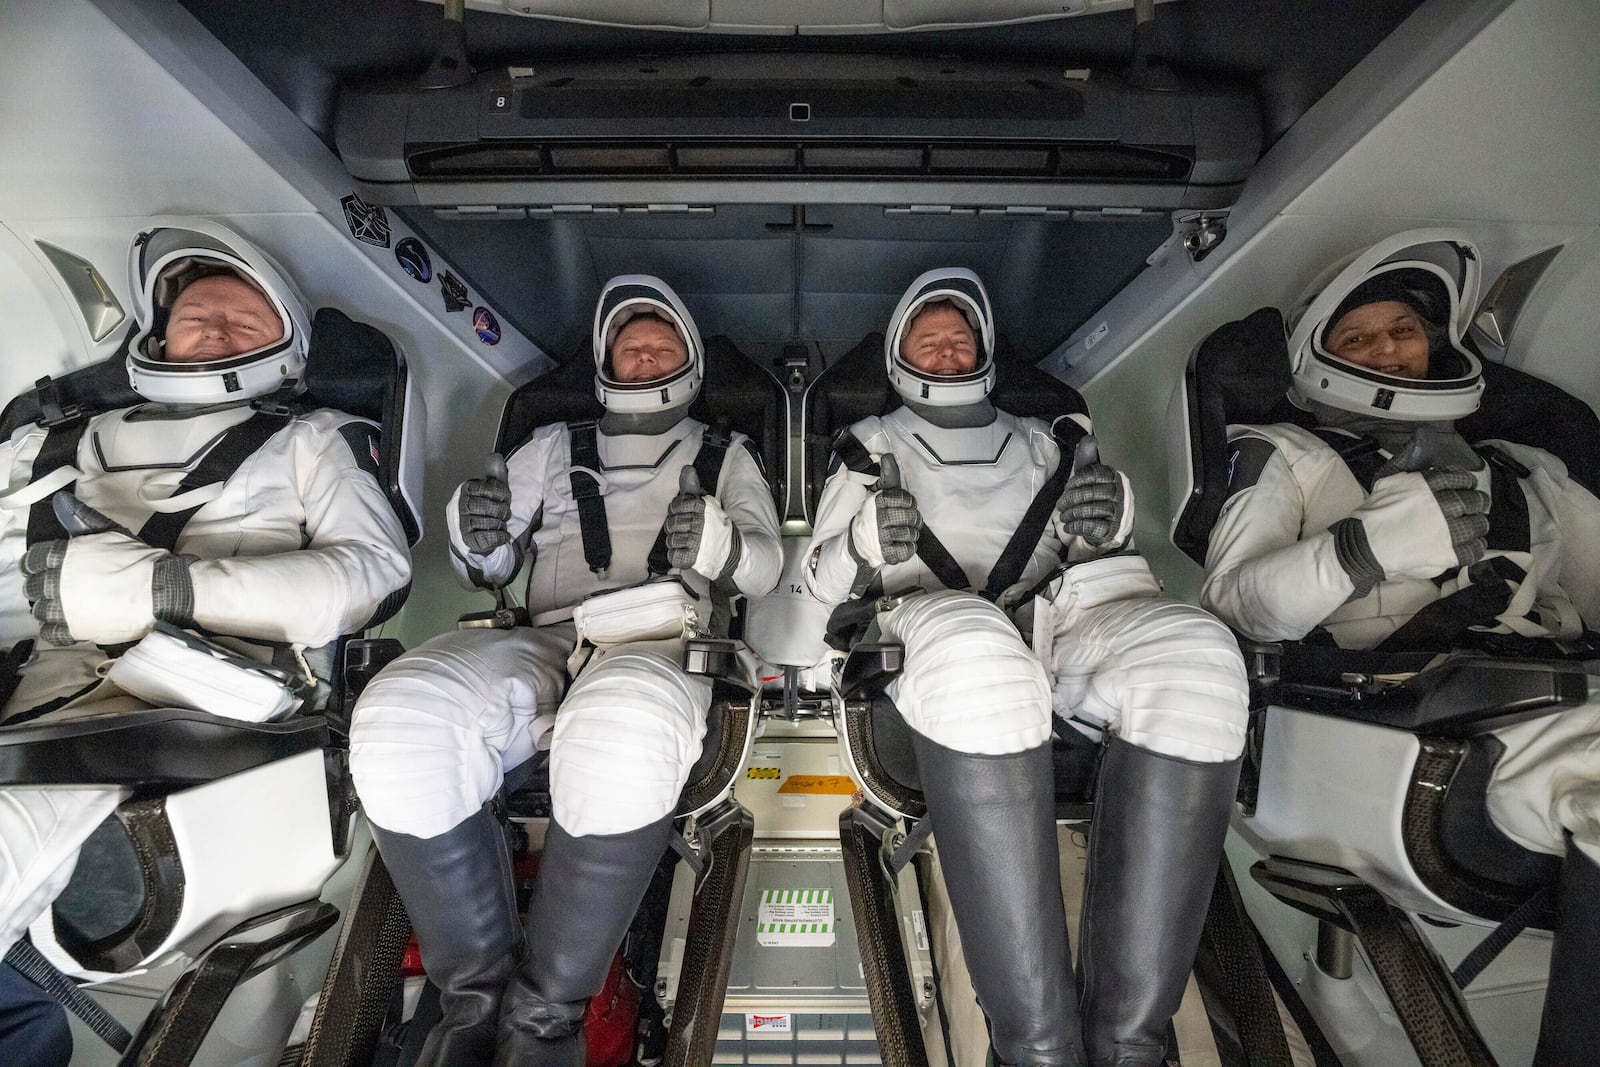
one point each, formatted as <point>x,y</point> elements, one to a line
<point>700,536</point>
<point>1097,506</point>
<point>1432,447</point>
<point>103,584</point>
<point>484,510</point>
<point>1415,524</point>
<point>886,528</point>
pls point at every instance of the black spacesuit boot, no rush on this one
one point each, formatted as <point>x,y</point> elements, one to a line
<point>458,891</point>
<point>588,891</point>
<point>1154,846</point>
<point>994,825</point>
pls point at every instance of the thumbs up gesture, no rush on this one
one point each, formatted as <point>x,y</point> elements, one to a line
<point>886,528</point>
<point>1097,503</point>
<point>700,536</point>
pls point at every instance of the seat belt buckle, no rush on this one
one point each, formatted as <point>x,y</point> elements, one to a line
<point>495,619</point>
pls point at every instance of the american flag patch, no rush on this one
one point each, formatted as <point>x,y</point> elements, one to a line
<point>372,447</point>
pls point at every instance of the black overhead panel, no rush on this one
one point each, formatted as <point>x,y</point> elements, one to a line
<point>818,128</point>
<point>1287,54</point>
<point>766,274</point>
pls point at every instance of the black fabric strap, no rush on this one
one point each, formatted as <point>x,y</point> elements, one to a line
<point>60,449</point>
<point>1019,550</point>
<point>854,455</point>
<point>1362,455</point>
<point>1510,529</point>
<point>585,445</point>
<point>33,966</point>
<point>939,561</point>
<point>1437,625</point>
<point>219,464</point>
<point>708,468</point>
<point>1536,906</point>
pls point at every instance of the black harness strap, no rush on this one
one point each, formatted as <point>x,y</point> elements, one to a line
<point>219,464</point>
<point>1362,455</point>
<point>708,468</point>
<point>60,449</point>
<point>1435,627</point>
<point>585,445</point>
<point>939,561</point>
<point>1019,550</point>
<point>1510,529</point>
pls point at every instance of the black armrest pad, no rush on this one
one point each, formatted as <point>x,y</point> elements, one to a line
<point>151,749</point>
<point>1461,697</point>
<point>869,668</point>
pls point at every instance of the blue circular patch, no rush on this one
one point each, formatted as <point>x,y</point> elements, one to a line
<point>487,326</point>
<point>414,259</point>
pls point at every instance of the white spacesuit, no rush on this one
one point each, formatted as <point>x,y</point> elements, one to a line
<point>1163,680</point>
<point>228,505</point>
<point>1308,538</point>
<point>435,732</point>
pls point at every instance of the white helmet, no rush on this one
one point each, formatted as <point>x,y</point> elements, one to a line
<point>1436,272</point>
<point>164,260</point>
<point>624,297</point>
<point>963,289</point>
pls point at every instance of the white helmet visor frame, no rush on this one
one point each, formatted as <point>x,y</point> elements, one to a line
<point>165,260</point>
<point>624,297</point>
<point>962,288</point>
<point>1446,262</point>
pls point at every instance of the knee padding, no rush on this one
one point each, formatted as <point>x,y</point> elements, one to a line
<point>1161,675</point>
<point>626,736</point>
<point>969,683</point>
<point>432,735</point>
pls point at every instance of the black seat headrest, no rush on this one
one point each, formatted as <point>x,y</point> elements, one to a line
<point>735,395</point>
<point>856,385</point>
<point>1240,375</point>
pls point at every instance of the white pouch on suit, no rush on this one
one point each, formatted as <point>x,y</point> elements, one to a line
<point>172,668</point>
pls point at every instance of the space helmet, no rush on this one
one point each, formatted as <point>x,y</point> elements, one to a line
<point>161,263</point>
<point>1435,272</point>
<point>961,288</point>
<point>622,298</point>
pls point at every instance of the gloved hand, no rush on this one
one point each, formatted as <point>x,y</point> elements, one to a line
<point>1432,447</point>
<point>1414,524</point>
<point>483,509</point>
<point>103,584</point>
<point>700,536</point>
<point>886,528</point>
<point>1097,504</point>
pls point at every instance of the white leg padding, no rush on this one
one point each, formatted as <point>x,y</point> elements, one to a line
<point>434,733</point>
<point>1548,781</point>
<point>41,831</point>
<point>626,737</point>
<point>969,683</point>
<point>1159,674</point>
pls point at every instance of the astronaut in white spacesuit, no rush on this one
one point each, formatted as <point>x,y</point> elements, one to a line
<point>197,508</point>
<point>588,507</point>
<point>922,504</point>
<point>1422,541</point>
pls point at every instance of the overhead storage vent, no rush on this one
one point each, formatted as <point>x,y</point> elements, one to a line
<point>757,158</point>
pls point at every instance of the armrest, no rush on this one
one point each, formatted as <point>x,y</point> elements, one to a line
<point>869,667</point>
<point>152,750</point>
<point>1463,696</point>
